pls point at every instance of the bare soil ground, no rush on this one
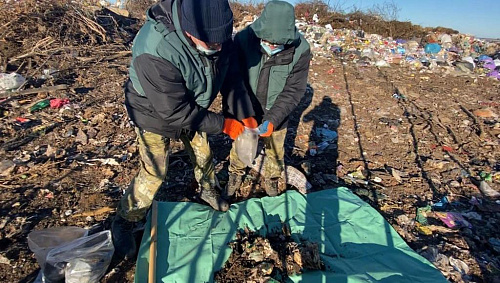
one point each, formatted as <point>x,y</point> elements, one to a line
<point>401,154</point>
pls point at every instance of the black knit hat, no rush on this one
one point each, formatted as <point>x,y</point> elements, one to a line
<point>210,21</point>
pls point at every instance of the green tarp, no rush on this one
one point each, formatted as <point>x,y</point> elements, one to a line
<point>356,243</point>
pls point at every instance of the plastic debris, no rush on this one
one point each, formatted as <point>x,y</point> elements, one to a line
<point>10,81</point>
<point>488,191</point>
<point>326,134</point>
<point>58,102</point>
<point>6,167</point>
<point>441,205</point>
<point>486,176</point>
<point>432,48</point>
<point>42,104</point>
<point>472,215</point>
<point>424,230</point>
<point>105,161</point>
<point>459,265</point>
<point>422,214</point>
<point>453,219</point>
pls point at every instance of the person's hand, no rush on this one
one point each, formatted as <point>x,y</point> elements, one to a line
<point>250,122</point>
<point>232,128</point>
<point>266,129</point>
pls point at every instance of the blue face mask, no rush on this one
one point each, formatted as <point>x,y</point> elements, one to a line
<point>206,51</point>
<point>270,51</point>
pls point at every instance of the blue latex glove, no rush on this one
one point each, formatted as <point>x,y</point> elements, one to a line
<point>266,129</point>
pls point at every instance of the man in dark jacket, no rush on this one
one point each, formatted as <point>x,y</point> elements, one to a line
<point>180,62</point>
<point>274,60</point>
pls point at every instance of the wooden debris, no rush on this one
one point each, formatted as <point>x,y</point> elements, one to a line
<point>93,213</point>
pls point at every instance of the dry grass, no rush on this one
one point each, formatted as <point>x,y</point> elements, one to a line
<point>36,30</point>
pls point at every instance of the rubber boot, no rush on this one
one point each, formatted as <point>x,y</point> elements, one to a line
<point>212,197</point>
<point>233,184</point>
<point>123,238</point>
<point>271,187</point>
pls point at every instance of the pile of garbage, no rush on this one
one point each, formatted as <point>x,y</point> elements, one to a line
<point>456,54</point>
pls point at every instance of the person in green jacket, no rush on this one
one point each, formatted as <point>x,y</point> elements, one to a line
<point>274,61</point>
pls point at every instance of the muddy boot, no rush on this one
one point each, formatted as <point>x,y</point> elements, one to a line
<point>123,238</point>
<point>233,184</point>
<point>271,187</point>
<point>212,197</point>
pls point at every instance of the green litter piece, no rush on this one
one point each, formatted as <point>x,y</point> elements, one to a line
<point>356,244</point>
<point>422,214</point>
<point>486,176</point>
<point>40,105</point>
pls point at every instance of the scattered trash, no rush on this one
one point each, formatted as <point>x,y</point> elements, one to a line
<point>105,161</point>
<point>42,104</point>
<point>6,167</point>
<point>486,176</point>
<point>447,148</point>
<point>399,96</point>
<point>459,265</point>
<point>81,137</point>
<point>432,48</point>
<point>58,102</point>
<point>382,63</point>
<point>485,113</point>
<point>472,215</point>
<point>4,260</point>
<point>488,191</point>
<point>441,205</point>
<point>68,254</point>
<point>10,81</point>
<point>326,134</point>
<point>22,120</point>
<point>422,229</point>
<point>453,219</point>
<point>422,214</point>
<point>50,73</point>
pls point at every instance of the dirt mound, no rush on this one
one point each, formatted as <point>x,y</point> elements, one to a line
<point>264,259</point>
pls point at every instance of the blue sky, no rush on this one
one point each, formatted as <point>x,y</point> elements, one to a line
<point>481,18</point>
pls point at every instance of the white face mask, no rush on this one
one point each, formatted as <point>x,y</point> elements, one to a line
<point>206,51</point>
<point>271,52</point>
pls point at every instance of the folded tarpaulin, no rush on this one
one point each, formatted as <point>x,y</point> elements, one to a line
<point>355,241</point>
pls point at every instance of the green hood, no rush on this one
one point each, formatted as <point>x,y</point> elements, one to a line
<point>276,24</point>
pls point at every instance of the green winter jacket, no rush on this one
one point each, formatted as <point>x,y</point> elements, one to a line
<point>277,82</point>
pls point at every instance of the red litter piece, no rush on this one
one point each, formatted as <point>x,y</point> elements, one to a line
<point>447,148</point>
<point>22,120</point>
<point>58,102</point>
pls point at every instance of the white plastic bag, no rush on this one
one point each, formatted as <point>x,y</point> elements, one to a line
<point>246,145</point>
<point>41,242</point>
<point>82,259</point>
<point>10,81</point>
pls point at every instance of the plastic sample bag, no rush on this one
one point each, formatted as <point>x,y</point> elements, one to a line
<point>67,254</point>
<point>246,145</point>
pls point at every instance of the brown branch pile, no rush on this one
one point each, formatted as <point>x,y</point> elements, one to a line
<point>37,29</point>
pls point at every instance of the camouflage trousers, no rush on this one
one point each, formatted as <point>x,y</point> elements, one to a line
<point>154,151</point>
<point>274,161</point>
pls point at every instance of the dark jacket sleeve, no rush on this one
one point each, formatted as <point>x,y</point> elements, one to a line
<point>292,93</point>
<point>235,98</point>
<point>164,87</point>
